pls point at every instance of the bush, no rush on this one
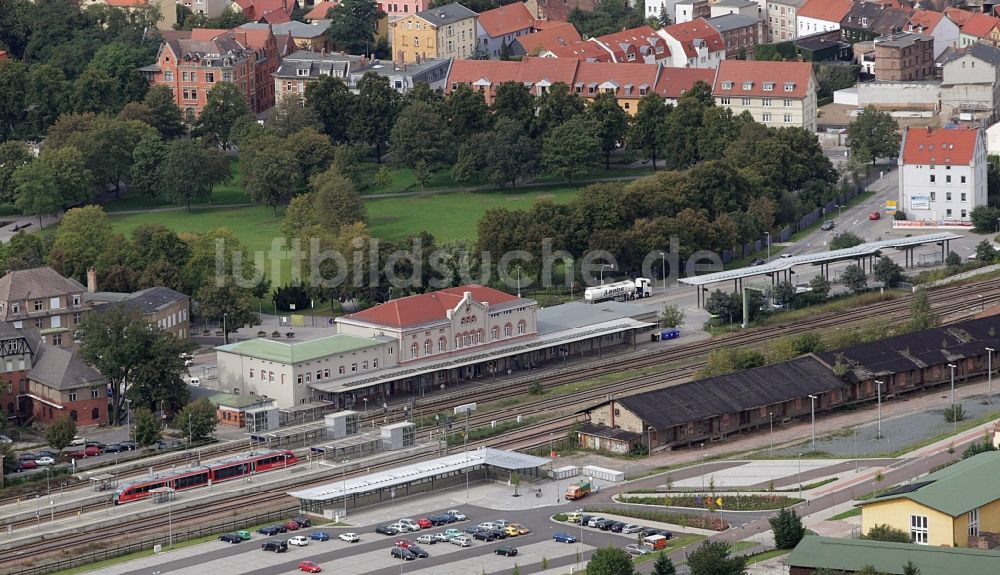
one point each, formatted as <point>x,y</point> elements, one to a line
<point>845,240</point>
<point>887,533</point>
<point>954,413</point>
<point>729,501</point>
<point>899,215</point>
<point>787,528</point>
<point>561,517</point>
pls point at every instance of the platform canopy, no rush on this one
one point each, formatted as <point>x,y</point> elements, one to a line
<point>782,264</point>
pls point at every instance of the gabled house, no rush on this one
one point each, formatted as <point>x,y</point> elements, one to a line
<point>302,68</point>
<point>740,34</point>
<point>41,299</point>
<point>585,51</point>
<point>979,28</point>
<point>498,28</point>
<point>445,32</point>
<point>694,44</point>
<point>942,175</point>
<point>16,347</point>
<point>167,309</point>
<point>554,34</point>
<point>869,20</point>
<point>640,44</point>
<point>936,25</point>
<point>777,94</point>
<point>401,8</point>
<point>904,57</point>
<point>821,16</point>
<point>688,10</point>
<point>303,36</point>
<point>970,85</point>
<point>61,383</point>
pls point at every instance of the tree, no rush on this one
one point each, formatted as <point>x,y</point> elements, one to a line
<point>662,565</point>
<point>335,201</point>
<point>147,427</point>
<point>333,104</point>
<point>352,27</point>
<point>147,159</point>
<point>820,286</point>
<point>289,116</point>
<point>96,91</point>
<point>712,558</point>
<point>953,260</point>
<point>61,433</point>
<point>571,150</point>
<point>854,278</point>
<point>887,271</point>
<point>845,240</point>
<point>985,252</point>
<point>375,112</point>
<point>314,153</point>
<point>166,113</point>
<point>227,302</point>
<point>48,90</point>
<point>873,134</point>
<point>271,174</point>
<point>783,293</point>
<point>83,235</point>
<point>58,178</point>
<point>787,528</point>
<point>910,569</point>
<point>880,532</point>
<point>10,464</point>
<point>921,315</point>
<point>649,125</point>
<point>197,421</point>
<point>13,155</point>
<point>610,121</point>
<point>514,101</point>
<point>108,146</point>
<point>729,360</point>
<point>610,561</point>
<point>558,104</point>
<point>466,112</point>
<point>512,154</point>
<point>185,174</point>
<point>420,137</point>
<point>13,79</point>
<point>672,316</point>
<point>225,105</point>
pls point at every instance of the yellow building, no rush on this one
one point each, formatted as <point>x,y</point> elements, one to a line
<point>958,506</point>
<point>445,32</point>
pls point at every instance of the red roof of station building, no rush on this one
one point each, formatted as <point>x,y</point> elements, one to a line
<point>957,15</point>
<point>506,19</point>
<point>527,70</point>
<point>828,10</point>
<point>980,25</point>
<point>924,21</point>
<point>428,307</point>
<point>698,29</point>
<point>641,36</point>
<point>675,82</point>
<point>759,73</point>
<point>550,35</point>
<point>319,10</point>
<point>939,146</point>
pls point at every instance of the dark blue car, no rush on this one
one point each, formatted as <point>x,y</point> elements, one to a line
<point>319,536</point>
<point>269,531</point>
<point>563,538</point>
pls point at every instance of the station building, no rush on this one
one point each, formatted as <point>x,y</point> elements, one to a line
<point>422,342</point>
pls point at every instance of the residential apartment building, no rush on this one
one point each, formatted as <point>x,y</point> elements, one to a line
<point>869,20</point>
<point>445,32</point>
<point>61,383</point>
<point>693,44</point>
<point>936,25</point>
<point>400,8</point>
<point>688,10</point>
<point>741,7</point>
<point>15,362</point>
<point>942,175</point>
<point>658,8</point>
<point>979,28</point>
<point>781,19</point>
<point>627,82</point>
<point>500,27</point>
<point>640,44</point>
<point>40,299</point>
<point>821,16</point>
<point>904,57</point>
<point>740,34</point>
<point>777,94</point>
<point>312,36</point>
<point>167,309</point>
<point>970,86</point>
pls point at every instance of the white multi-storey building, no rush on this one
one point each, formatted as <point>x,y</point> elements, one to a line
<point>777,94</point>
<point>942,175</point>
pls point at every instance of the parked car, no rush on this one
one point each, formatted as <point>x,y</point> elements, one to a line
<point>452,533</point>
<point>401,527</point>
<point>521,529</point>
<point>319,536</point>
<point>404,543</point>
<point>309,567</point>
<point>458,515</point>
<point>78,440</point>
<point>439,538</point>
<point>401,553</point>
<point>472,530</point>
<point>26,457</point>
<point>244,535</point>
<point>573,517</point>
<point>45,461</point>
<point>827,225</point>
<point>561,537</point>
<point>270,531</point>
<point>420,553</point>
<point>410,524</point>
<point>875,216</point>
<point>276,546</point>
<point>506,550</point>
<point>636,549</point>
<point>488,525</point>
<point>299,541</point>
<point>425,523</point>
<point>230,538</point>
<point>617,526</point>
<point>631,529</point>
<point>129,445</point>
<point>387,530</point>
<point>605,524</point>
<point>501,523</point>
<point>461,541</point>
<point>5,439</point>
<point>426,539</point>
<point>442,519</point>
<point>499,533</point>
<point>88,451</point>
<point>511,531</point>
<point>292,526</point>
<point>43,453</point>
<point>757,262</point>
<point>113,448</point>
<point>26,464</point>
<point>585,520</point>
<point>302,521</point>
<point>592,522</point>
<point>349,537</point>
<point>483,535</point>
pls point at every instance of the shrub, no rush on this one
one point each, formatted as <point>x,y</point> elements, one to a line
<point>954,413</point>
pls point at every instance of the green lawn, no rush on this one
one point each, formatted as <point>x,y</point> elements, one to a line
<point>673,544</point>
<point>846,514</point>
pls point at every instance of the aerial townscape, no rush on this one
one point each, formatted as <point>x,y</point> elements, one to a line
<point>499,287</point>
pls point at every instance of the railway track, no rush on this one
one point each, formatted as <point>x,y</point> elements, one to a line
<point>944,301</point>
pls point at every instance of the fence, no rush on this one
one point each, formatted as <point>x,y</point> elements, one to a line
<point>134,545</point>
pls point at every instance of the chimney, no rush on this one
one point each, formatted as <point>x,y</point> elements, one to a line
<point>91,280</point>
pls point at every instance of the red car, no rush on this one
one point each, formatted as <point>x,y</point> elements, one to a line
<point>875,216</point>
<point>26,464</point>
<point>404,543</point>
<point>89,451</point>
<point>292,526</point>
<point>424,523</point>
<point>309,567</point>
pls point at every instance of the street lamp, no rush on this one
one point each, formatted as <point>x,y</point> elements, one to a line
<point>343,476</point>
<point>225,332</point>
<point>989,375</point>
<point>799,456</point>
<point>602,271</point>
<point>812,409</point>
<point>703,468</point>
<point>878,387</point>
<point>649,447</point>
<point>664,257</point>
<point>768,237</point>
<point>128,417</point>
<point>840,211</point>
<point>770,451</point>
<point>954,415</point>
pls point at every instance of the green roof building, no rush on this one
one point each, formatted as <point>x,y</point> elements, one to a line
<point>852,555</point>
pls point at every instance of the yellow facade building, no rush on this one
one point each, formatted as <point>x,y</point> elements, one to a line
<point>958,506</point>
<point>445,32</point>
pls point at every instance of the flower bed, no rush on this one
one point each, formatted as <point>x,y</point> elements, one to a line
<point>683,519</point>
<point>730,502</point>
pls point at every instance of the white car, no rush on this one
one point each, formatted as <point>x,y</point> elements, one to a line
<point>461,541</point>
<point>5,439</point>
<point>487,526</point>
<point>501,523</point>
<point>410,524</point>
<point>299,541</point>
<point>457,514</point>
<point>427,539</point>
<point>349,537</point>
<point>401,527</point>
<point>45,461</point>
<point>439,537</point>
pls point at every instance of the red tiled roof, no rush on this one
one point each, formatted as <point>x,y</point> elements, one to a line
<point>319,10</point>
<point>958,16</point>
<point>497,71</point>
<point>758,74</point>
<point>429,307</point>
<point>588,51</point>
<point>939,146</point>
<point>675,82</point>
<point>828,10</point>
<point>617,75</point>
<point>980,25</point>
<point>206,34</point>
<point>698,29</point>
<point>554,34</point>
<point>276,17</point>
<point>506,19</point>
<point>254,10</point>
<point>256,38</point>
<point>641,36</point>
<point>924,21</point>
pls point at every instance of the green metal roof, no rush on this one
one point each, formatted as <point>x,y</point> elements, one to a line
<point>956,489</point>
<point>282,352</point>
<point>853,554</point>
<point>236,401</point>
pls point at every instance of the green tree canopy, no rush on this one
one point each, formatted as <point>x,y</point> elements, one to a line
<point>713,558</point>
<point>147,427</point>
<point>787,528</point>
<point>61,433</point>
<point>649,125</point>
<point>197,421</point>
<point>353,26</point>
<point>333,104</point>
<point>610,121</point>
<point>874,134</point>
<point>83,235</point>
<point>375,112</point>
<point>571,150</point>
<point>610,561</point>
<point>225,105</point>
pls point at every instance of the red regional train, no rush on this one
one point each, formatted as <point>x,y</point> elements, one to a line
<point>192,477</point>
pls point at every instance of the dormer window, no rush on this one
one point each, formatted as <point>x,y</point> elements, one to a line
<point>864,20</point>
<point>789,86</point>
<point>747,85</point>
<point>727,85</point>
<point>324,72</point>
<point>302,72</point>
<point>768,86</point>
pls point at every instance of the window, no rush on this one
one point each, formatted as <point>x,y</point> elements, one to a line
<point>789,86</point>
<point>724,101</point>
<point>918,529</point>
<point>495,333</point>
<point>302,71</point>
<point>15,308</point>
<point>947,196</point>
<point>340,370</point>
<point>76,301</point>
<point>251,373</point>
<point>354,368</point>
<point>375,364</point>
<point>947,212</point>
<point>788,118</point>
<point>768,86</point>
<point>57,339</point>
<point>416,42</point>
<point>507,330</point>
<point>308,377</point>
<point>72,396</point>
<point>38,305</point>
<point>95,393</point>
<point>194,76</point>
<point>442,344</point>
<point>184,76</point>
<point>727,85</point>
<point>947,179</point>
<point>95,414</point>
<point>270,377</point>
<point>788,103</point>
<point>933,196</point>
<point>747,85</point>
<point>964,214</point>
<point>413,351</point>
<point>963,181</point>
<point>427,347</point>
<point>974,522</point>
<point>766,101</point>
<point>210,77</point>
<point>364,366</point>
<point>766,118</point>
<point>521,327</point>
<point>963,196</point>
<point>194,93</point>
<point>326,374</point>
<point>227,76</point>
<point>746,101</point>
<point>168,75</point>
<point>298,379</point>
<point>38,323</point>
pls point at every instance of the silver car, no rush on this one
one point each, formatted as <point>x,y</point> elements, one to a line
<point>461,541</point>
<point>631,529</point>
<point>635,549</point>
